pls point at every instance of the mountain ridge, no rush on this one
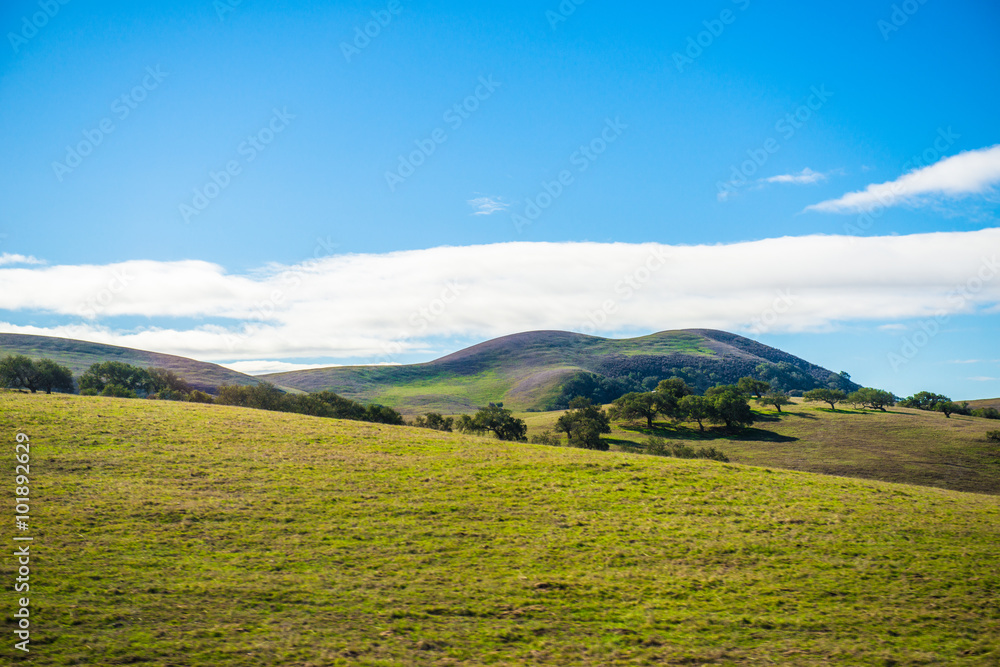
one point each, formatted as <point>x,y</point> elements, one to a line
<point>531,370</point>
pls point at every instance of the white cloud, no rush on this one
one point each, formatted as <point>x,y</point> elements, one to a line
<point>982,378</point>
<point>805,177</point>
<point>968,173</point>
<point>488,205</point>
<point>893,327</point>
<point>8,258</point>
<point>262,366</point>
<point>375,307</point>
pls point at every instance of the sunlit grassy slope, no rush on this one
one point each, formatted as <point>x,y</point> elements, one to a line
<point>900,445</point>
<point>182,534</point>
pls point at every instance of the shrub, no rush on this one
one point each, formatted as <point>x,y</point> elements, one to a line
<point>118,391</point>
<point>660,447</point>
<point>987,413</point>
<point>993,436</point>
<point>435,421</point>
<point>545,438</point>
<point>200,397</point>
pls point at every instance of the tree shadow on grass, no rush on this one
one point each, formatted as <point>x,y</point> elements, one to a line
<point>708,435</point>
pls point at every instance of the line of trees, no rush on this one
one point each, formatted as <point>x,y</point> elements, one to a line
<point>928,400</point>
<point>122,380</point>
<point>674,399</point>
<point>20,372</point>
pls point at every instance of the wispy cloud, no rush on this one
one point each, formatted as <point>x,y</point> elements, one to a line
<point>488,205</point>
<point>354,305</point>
<point>895,326</point>
<point>982,378</point>
<point>968,173</point>
<point>805,177</point>
<point>8,258</point>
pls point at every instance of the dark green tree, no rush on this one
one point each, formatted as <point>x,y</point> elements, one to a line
<point>775,398</point>
<point>753,387</point>
<point>167,385</point>
<point>133,378</point>
<point>669,393</point>
<point>924,400</point>
<point>729,406</point>
<point>263,396</point>
<point>874,399</point>
<point>501,422</point>
<point>584,423</point>
<point>19,372</point>
<point>822,395</point>
<point>948,407</point>
<point>637,405</point>
<point>695,408</point>
<point>53,377</point>
<point>383,414</point>
<point>435,421</point>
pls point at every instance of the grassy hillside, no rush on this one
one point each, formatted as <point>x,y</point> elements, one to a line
<point>527,371</point>
<point>901,445</point>
<point>78,355</point>
<point>986,403</point>
<point>181,534</point>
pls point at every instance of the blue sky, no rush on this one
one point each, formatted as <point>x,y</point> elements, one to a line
<point>236,152</point>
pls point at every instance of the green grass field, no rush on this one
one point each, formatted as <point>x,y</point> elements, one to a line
<point>901,445</point>
<point>183,534</point>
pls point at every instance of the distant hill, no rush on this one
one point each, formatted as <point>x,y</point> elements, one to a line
<point>78,355</point>
<point>986,403</point>
<point>542,370</point>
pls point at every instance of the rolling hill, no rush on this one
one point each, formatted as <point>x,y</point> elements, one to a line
<point>529,371</point>
<point>78,355</point>
<point>182,534</point>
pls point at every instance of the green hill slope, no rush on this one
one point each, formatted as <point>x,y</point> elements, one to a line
<point>528,370</point>
<point>901,445</point>
<point>78,355</point>
<point>182,534</point>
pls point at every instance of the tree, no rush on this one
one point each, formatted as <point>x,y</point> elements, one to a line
<point>696,408</point>
<point>168,385</point>
<point>669,393</point>
<point>729,406</point>
<point>466,424</point>
<point>501,422</point>
<point>775,398</point>
<point>924,400</point>
<point>751,386</point>
<point>263,396</point>
<point>584,424</point>
<point>53,377</point>
<point>133,378</point>
<point>434,420</point>
<point>19,372</point>
<point>831,396</point>
<point>118,391</point>
<point>987,413</point>
<point>875,399</point>
<point>947,407</point>
<point>637,405</point>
